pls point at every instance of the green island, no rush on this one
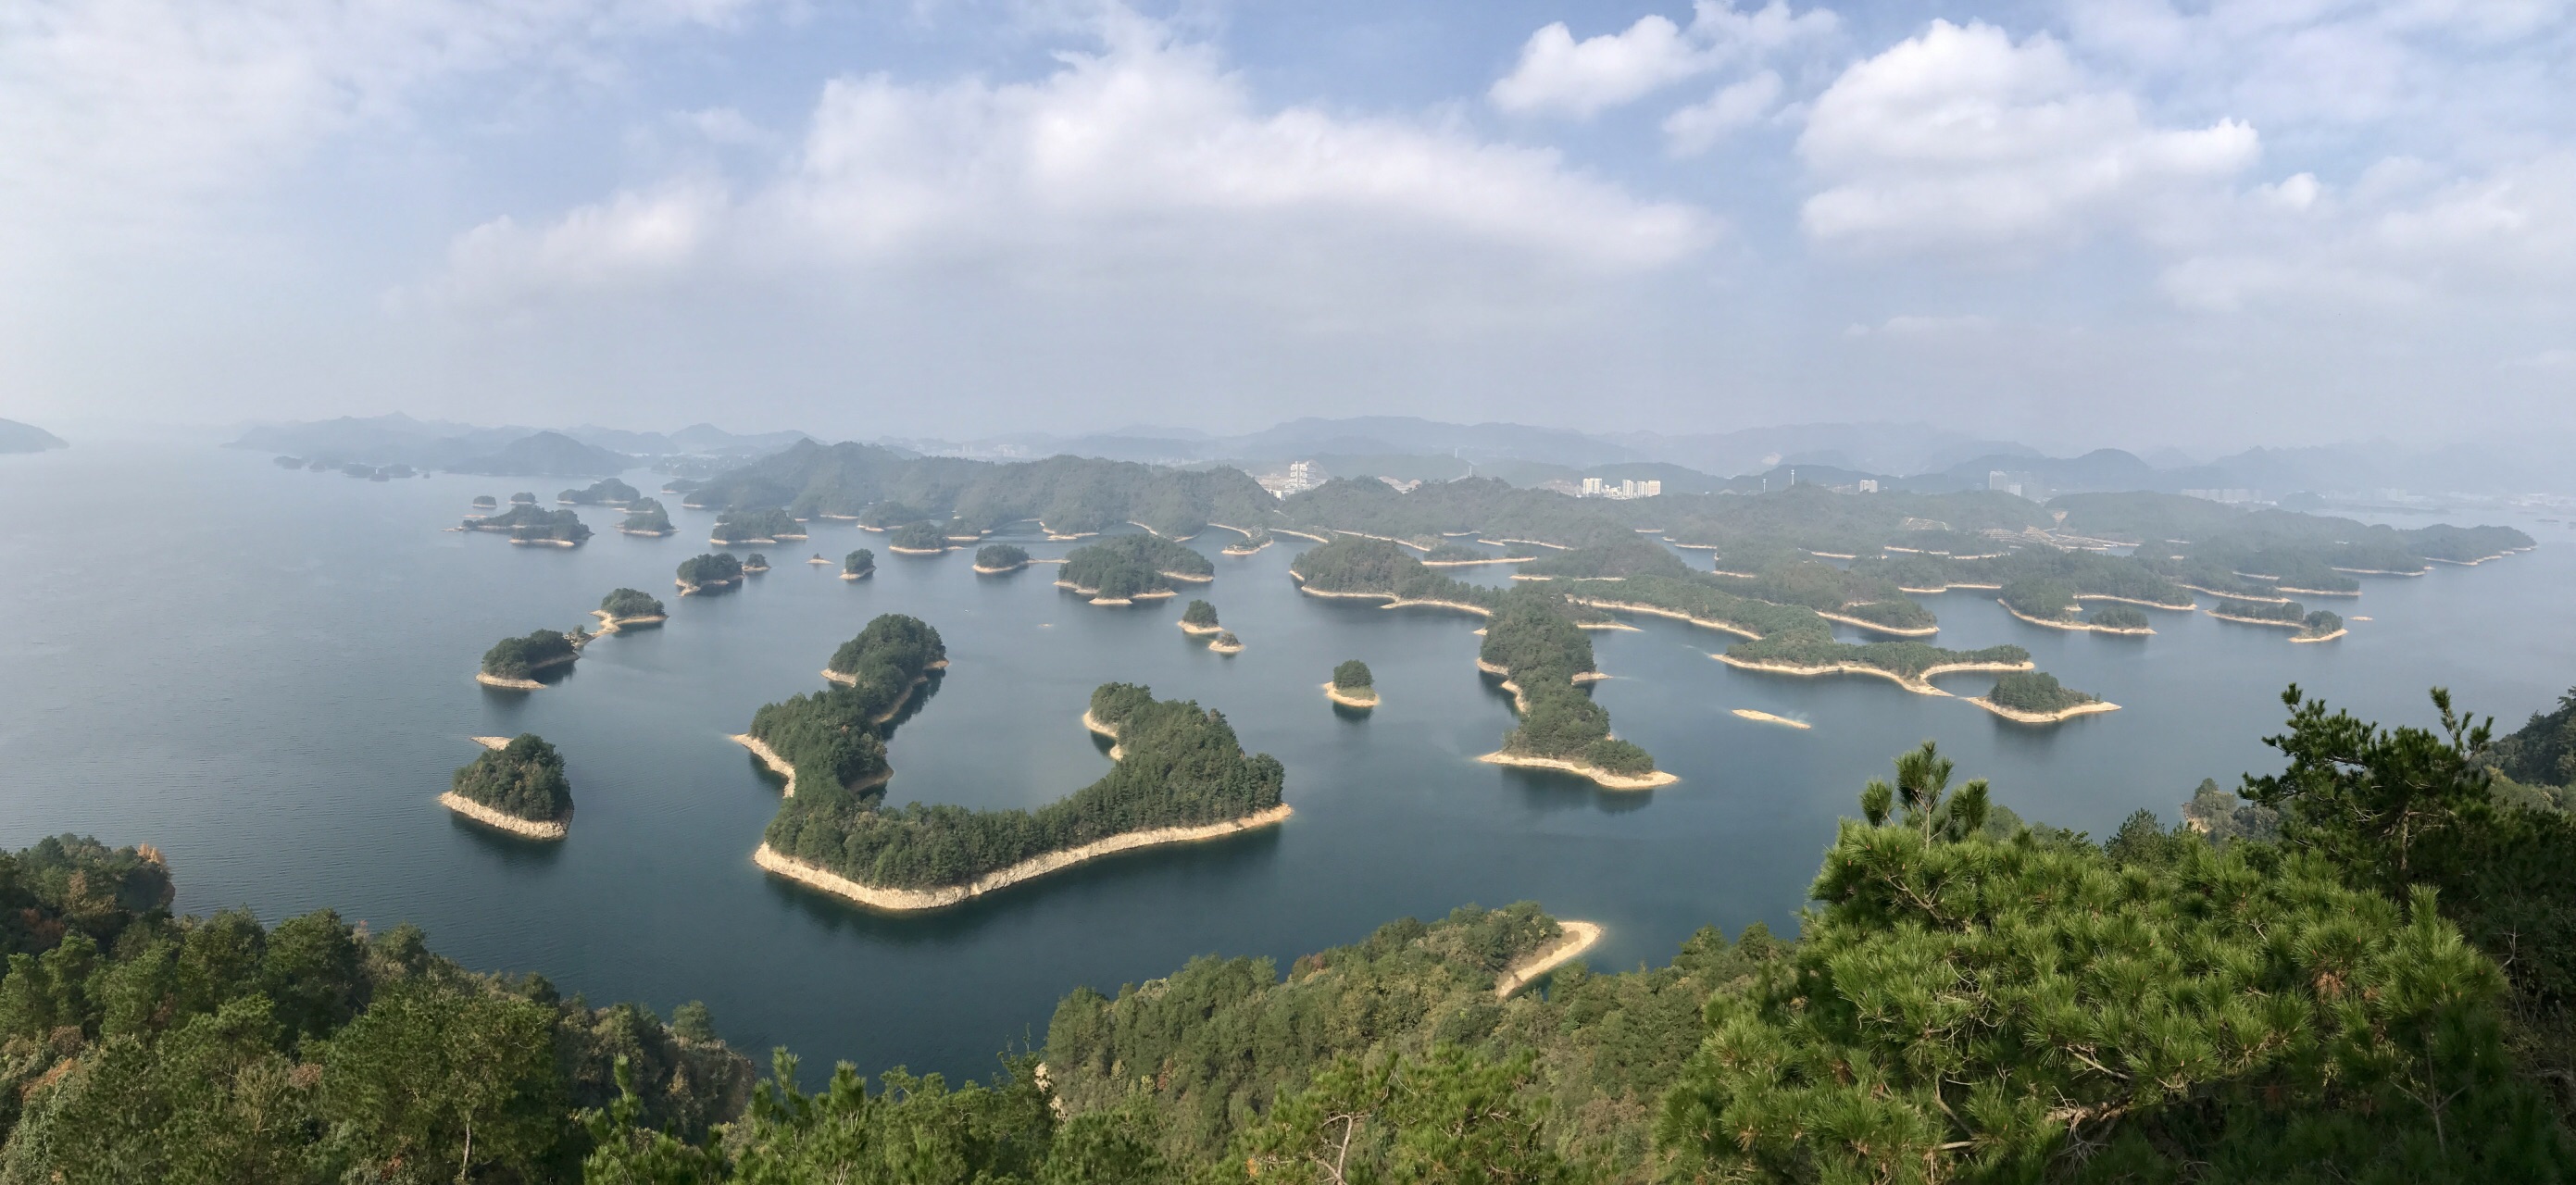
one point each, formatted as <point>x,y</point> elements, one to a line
<point>529,526</point>
<point>628,608</point>
<point>486,503</point>
<point>513,663</point>
<point>646,516</point>
<point>607,491</point>
<point>2053,602</point>
<point>740,525</point>
<point>516,786</point>
<point>523,498</point>
<point>859,565</point>
<point>2374,915</point>
<point>2036,697</point>
<point>1356,566</point>
<point>1543,657</point>
<point>2318,626</point>
<point>755,562</point>
<point>922,538</point>
<point>832,737</point>
<point>708,572</point>
<point>1225,643</point>
<point>2118,619</point>
<point>1124,569</point>
<point>1199,617</point>
<point>886,516</point>
<point>996,558</point>
<point>1352,686</point>
<point>1180,776</point>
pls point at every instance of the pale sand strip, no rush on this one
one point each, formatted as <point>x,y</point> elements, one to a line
<point>507,684</point>
<point>907,900</point>
<point>2080,627</point>
<point>2234,596</point>
<point>2122,600</point>
<point>2287,625</point>
<point>981,570</point>
<point>2018,716</point>
<point>523,828</point>
<point>1675,614</point>
<point>1532,542</point>
<point>1600,777</point>
<point>1874,627</point>
<point>1299,534</point>
<point>2324,637</point>
<point>495,744</point>
<point>1222,648</point>
<point>610,625</point>
<point>1919,685</point>
<point>1500,559</point>
<point>2317,592</point>
<point>2379,572</point>
<point>769,757</point>
<point>1351,699</point>
<point>1579,937</point>
<point>1768,718</point>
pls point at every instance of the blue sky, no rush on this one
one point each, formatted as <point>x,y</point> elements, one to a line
<point>2128,222</point>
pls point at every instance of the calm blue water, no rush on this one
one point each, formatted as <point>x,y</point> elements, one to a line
<point>269,675</point>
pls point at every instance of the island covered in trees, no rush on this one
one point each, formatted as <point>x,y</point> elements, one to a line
<point>922,538</point>
<point>514,663</point>
<point>607,491</point>
<point>1225,643</point>
<point>646,516</point>
<point>628,608</point>
<point>1127,568</point>
<point>1199,618</point>
<point>755,526</point>
<point>517,786</point>
<point>1544,657</point>
<point>1180,775</point>
<point>530,526</point>
<point>859,565</point>
<point>997,558</point>
<point>2036,697</point>
<point>1352,686</point>
<point>708,572</point>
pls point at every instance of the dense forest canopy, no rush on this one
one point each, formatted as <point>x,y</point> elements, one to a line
<point>1067,494</point>
<point>1000,557</point>
<point>748,525</point>
<point>859,563</point>
<point>529,522</point>
<point>628,602</point>
<point>1484,506</point>
<point>524,779</point>
<point>646,516</point>
<point>1352,675</point>
<point>2036,691</point>
<point>2543,750</point>
<point>1179,766</point>
<point>918,537</point>
<point>1199,614</point>
<point>710,570</point>
<point>1533,639</point>
<point>518,658</point>
<point>1353,564</point>
<point>1125,565</point>
<point>833,737</point>
<point>607,491</point>
<point>2116,617</point>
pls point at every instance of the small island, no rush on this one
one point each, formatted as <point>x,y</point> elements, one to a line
<point>513,663</point>
<point>1130,568</point>
<point>607,491</point>
<point>768,525</point>
<point>529,526</point>
<point>922,538</point>
<point>998,558</point>
<point>646,517</point>
<point>2036,697</point>
<point>817,558</point>
<point>1352,686</point>
<point>1226,643</point>
<point>1200,618</point>
<point>1544,658</point>
<point>755,562</point>
<point>708,572</point>
<point>516,786</point>
<point>859,565</point>
<point>2053,603</point>
<point>1759,716</point>
<point>1182,777</point>
<point>485,504</point>
<point>523,498</point>
<point>2319,626</point>
<point>1253,541</point>
<point>627,609</point>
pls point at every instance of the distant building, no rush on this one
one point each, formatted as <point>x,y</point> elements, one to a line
<point>1602,487</point>
<point>1591,487</point>
<point>1868,485</point>
<point>2019,485</point>
<point>1300,478</point>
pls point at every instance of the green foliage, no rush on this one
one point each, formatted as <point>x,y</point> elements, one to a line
<point>860,562</point>
<point>999,557</point>
<point>830,738</point>
<point>755,525</point>
<point>1352,675</point>
<point>1631,556</point>
<point>486,502</point>
<point>2045,598</point>
<point>2542,751</point>
<point>2319,623</point>
<point>607,491</point>
<point>2036,691</point>
<point>2116,617</point>
<point>525,521</point>
<point>1199,613</point>
<point>1180,766</point>
<point>627,602</point>
<point>893,651</point>
<point>2291,612</point>
<point>1484,505</point>
<point>1113,704</point>
<point>711,570</point>
<point>646,516</point>
<point>519,658</point>
<point>1454,553</point>
<point>1225,640</point>
<point>918,537</point>
<point>1448,1115</point>
<point>1125,565</point>
<point>1352,564</point>
<point>525,779</point>
<point>755,562</point>
<point>2222,817</point>
<point>1067,494</point>
<point>883,516</point>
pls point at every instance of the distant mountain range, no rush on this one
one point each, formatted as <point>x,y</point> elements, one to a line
<point>27,438</point>
<point>509,451</point>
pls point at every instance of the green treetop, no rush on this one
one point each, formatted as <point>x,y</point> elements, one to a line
<point>1200,614</point>
<point>1352,675</point>
<point>524,780</point>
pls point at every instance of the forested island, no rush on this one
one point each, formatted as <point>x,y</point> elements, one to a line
<point>513,663</point>
<point>1225,643</point>
<point>2052,602</point>
<point>1198,618</point>
<point>528,525</point>
<point>997,558</point>
<point>1352,686</point>
<point>485,504</point>
<point>1128,568</point>
<point>859,565</point>
<point>708,572</point>
<point>628,608</point>
<point>1180,776</point>
<point>646,516</point>
<point>1354,566</point>
<point>1252,542</point>
<point>755,562</point>
<point>607,491</point>
<point>2036,697</point>
<point>517,786</point>
<point>755,526</point>
<point>922,538</point>
<point>2318,626</point>
<point>832,737</point>
<point>1543,655</point>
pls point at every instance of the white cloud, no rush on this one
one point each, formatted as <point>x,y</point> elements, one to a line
<point>1961,138</point>
<point>1737,105</point>
<point>1142,163</point>
<point>1557,74</point>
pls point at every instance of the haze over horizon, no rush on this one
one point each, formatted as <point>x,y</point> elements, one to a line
<point>2077,224</point>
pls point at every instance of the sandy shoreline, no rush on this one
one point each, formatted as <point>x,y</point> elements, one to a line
<point>1500,559</point>
<point>2322,637</point>
<point>1238,549</point>
<point>1532,542</point>
<point>2185,608</point>
<point>981,570</point>
<point>2316,592</point>
<point>1222,648</point>
<point>2018,716</point>
<point>1876,628</point>
<point>1768,718</point>
<point>1351,699</point>
<point>610,625</point>
<point>2277,624</point>
<point>543,543</point>
<point>2080,627</point>
<point>523,828</point>
<point>489,680</point>
<point>1196,630</point>
<point>862,574</point>
<point>1674,614</point>
<point>908,900</point>
<point>2234,596</point>
<point>1186,578</point>
<point>1598,776</point>
<point>690,590</point>
<point>1578,938</point>
<point>624,530</point>
<point>1920,684</point>
<point>916,550</point>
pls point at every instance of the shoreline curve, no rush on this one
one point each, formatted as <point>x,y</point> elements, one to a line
<point>779,864</point>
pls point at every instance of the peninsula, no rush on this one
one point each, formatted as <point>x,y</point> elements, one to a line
<point>516,786</point>
<point>1762,717</point>
<point>513,663</point>
<point>1352,686</point>
<point>709,572</point>
<point>628,608</point>
<point>917,539</point>
<point>834,738</point>
<point>1573,939</point>
<point>1124,569</point>
<point>1183,777</point>
<point>1545,658</point>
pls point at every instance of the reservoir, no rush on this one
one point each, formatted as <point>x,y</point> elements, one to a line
<point>268,674</point>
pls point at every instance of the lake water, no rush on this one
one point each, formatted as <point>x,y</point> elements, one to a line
<point>268,674</point>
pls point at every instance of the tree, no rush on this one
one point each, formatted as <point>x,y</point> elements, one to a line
<point>437,1081</point>
<point>1351,675</point>
<point>1444,1116</point>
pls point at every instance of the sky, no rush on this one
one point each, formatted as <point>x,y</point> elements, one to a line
<point>2129,222</point>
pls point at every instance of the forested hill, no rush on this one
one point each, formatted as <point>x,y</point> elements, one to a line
<point>1067,494</point>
